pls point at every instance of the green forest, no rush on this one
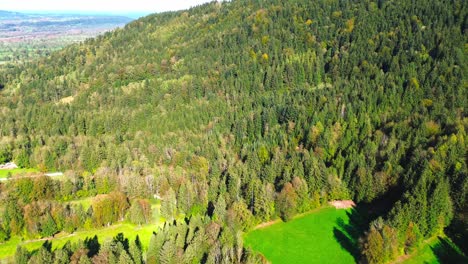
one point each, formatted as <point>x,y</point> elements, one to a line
<point>232,114</point>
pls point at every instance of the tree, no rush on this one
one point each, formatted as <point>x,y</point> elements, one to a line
<point>239,216</point>
<point>169,205</point>
<point>219,213</point>
<point>124,258</point>
<point>136,214</point>
<point>302,191</point>
<point>390,240</point>
<point>135,251</point>
<point>152,255</point>
<point>4,236</point>
<point>21,255</point>
<point>287,202</point>
<point>412,237</point>
<point>48,227</point>
<point>167,253</point>
<point>373,250</point>
<point>43,255</point>
<point>13,217</point>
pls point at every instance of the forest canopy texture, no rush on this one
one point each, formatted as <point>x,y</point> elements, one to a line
<point>240,112</point>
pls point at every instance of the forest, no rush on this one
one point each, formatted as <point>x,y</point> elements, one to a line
<point>236,113</point>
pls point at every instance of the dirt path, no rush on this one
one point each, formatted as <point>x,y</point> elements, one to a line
<point>263,225</point>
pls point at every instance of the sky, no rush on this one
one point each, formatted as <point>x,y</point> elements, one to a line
<point>99,6</point>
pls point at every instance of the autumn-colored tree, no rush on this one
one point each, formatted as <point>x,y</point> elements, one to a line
<point>373,248</point>
<point>286,202</point>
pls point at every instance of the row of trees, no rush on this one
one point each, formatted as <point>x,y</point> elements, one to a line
<point>43,217</point>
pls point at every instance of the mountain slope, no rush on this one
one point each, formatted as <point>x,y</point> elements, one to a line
<point>254,106</point>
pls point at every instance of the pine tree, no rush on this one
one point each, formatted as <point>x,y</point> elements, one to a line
<point>169,206</point>
<point>135,251</point>
<point>21,255</point>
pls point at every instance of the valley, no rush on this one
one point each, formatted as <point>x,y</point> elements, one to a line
<point>26,36</point>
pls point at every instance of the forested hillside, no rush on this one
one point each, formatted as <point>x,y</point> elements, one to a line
<point>240,112</point>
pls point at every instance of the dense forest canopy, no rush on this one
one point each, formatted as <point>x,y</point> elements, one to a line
<point>239,112</point>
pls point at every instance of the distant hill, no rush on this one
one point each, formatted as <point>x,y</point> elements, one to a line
<point>24,36</point>
<point>8,15</point>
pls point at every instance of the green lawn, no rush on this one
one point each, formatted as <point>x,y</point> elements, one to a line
<point>85,202</point>
<point>4,173</point>
<point>312,238</point>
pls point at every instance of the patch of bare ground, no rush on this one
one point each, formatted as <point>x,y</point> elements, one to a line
<point>262,225</point>
<point>343,204</point>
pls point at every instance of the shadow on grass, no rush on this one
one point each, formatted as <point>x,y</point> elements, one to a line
<point>347,243</point>
<point>348,234</point>
<point>446,252</point>
<point>457,231</point>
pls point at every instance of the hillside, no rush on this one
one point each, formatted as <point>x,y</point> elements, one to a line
<point>241,112</point>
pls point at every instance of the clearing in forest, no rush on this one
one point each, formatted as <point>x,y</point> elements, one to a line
<point>318,237</point>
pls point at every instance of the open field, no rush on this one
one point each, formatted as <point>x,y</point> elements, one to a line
<point>311,238</point>
<point>4,173</point>
<point>327,235</point>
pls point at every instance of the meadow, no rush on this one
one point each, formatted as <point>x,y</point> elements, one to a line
<point>327,235</point>
<point>4,173</point>
<point>311,238</point>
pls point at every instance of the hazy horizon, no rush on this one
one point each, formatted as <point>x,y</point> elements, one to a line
<point>131,14</point>
<point>133,8</point>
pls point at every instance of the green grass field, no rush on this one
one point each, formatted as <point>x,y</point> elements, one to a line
<point>85,202</point>
<point>307,239</point>
<point>324,236</point>
<point>4,173</point>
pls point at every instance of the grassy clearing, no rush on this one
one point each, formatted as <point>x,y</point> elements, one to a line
<point>85,202</point>
<point>4,173</point>
<point>311,238</point>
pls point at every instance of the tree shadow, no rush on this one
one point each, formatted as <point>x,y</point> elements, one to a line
<point>446,252</point>
<point>348,233</point>
<point>347,243</point>
<point>93,246</point>
<point>457,231</point>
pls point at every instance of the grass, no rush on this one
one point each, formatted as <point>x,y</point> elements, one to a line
<point>311,238</point>
<point>85,202</point>
<point>4,173</point>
